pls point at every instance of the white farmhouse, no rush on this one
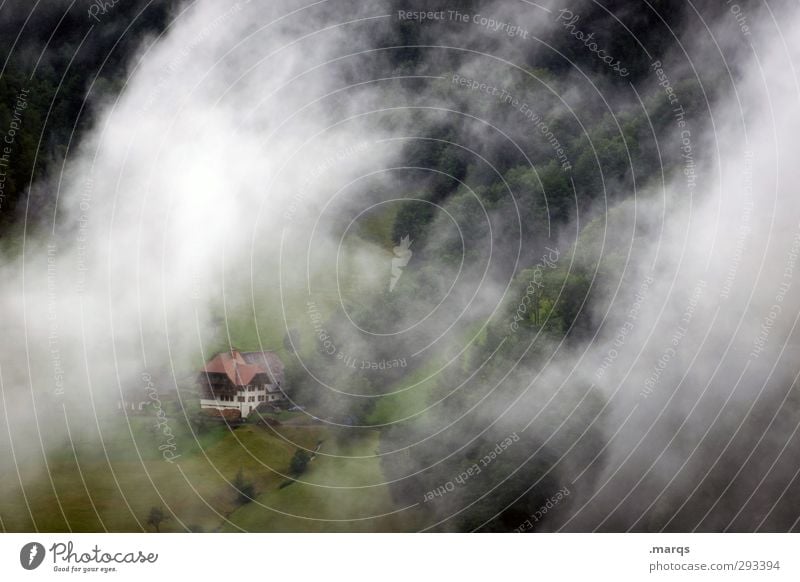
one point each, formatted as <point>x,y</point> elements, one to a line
<point>241,381</point>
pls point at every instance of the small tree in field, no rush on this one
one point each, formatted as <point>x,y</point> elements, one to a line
<point>156,517</point>
<point>299,462</point>
<point>245,491</point>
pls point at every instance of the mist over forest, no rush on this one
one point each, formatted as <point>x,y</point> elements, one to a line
<point>524,266</point>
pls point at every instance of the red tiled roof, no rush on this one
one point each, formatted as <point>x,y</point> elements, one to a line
<point>241,368</point>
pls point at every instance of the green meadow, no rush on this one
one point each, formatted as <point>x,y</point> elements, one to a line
<point>342,488</point>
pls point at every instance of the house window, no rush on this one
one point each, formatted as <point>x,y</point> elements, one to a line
<point>241,398</point>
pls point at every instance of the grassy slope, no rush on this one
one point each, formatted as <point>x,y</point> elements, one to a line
<point>126,483</point>
<point>353,505</point>
<point>413,394</point>
<point>194,489</point>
